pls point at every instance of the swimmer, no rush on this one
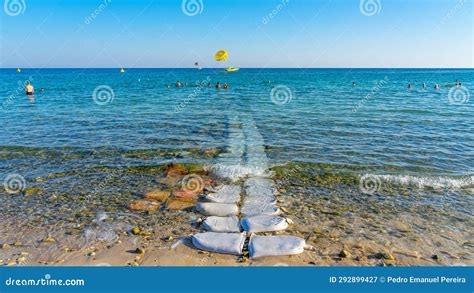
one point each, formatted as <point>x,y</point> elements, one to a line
<point>42,89</point>
<point>209,85</point>
<point>436,87</point>
<point>30,90</point>
<point>218,85</point>
<point>178,84</point>
<point>353,83</point>
<point>409,85</point>
<point>226,86</point>
<point>424,85</point>
<point>167,86</point>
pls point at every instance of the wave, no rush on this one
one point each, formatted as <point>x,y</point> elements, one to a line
<point>421,182</point>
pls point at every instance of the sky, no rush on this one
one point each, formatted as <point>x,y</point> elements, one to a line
<point>256,33</point>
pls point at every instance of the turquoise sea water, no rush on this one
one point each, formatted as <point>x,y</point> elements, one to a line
<point>91,141</point>
<point>378,122</point>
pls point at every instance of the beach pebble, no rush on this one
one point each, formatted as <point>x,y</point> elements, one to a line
<point>228,243</point>
<point>136,231</point>
<point>264,223</point>
<point>48,239</point>
<point>260,246</point>
<point>217,209</point>
<point>344,253</point>
<point>221,224</point>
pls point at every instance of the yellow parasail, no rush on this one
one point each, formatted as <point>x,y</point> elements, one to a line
<point>221,55</point>
<point>18,70</point>
<point>122,70</point>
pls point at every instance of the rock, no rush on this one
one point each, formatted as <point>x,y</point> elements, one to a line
<point>143,205</point>
<point>18,243</point>
<point>136,231</point>
<point>158,195</point>
<point>182,193</point>
<point>212,152</point>
<point>48,239</point>
<point>21,259</point>
<point>176,169</point>
<point>140,250</point>
<point>384,255</point>
<point>435,257</point>
<point>180,203</point>
<point>5,246</point>
<point>92,254</point>
<point>31,190</point>
<point>344,253</point>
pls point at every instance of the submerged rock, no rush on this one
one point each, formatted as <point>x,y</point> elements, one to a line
<point>143,205</point>
<point>49,239</point>
<point>158,195</point>
<point>180,203</point>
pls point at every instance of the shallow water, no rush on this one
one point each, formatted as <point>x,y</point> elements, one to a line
<point>376,140</point>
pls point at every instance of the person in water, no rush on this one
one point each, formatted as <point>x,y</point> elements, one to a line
<point>424,85</point>
<point>353,83</point>
<point>436,87</point>
<point>218,85</point>
<point>226,86</point>
<point>209,85</point>
<point>178,84</point>
<point>42,89</point>
<point>30,90</point>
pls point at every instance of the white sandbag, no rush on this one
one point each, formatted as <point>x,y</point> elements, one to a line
<point>217,209</point>
<point>251,209</point>
<point>225,194</point>
<point>229,243</point>
<point>258,186</point>
<point>221,224</point>
<point>275,245</point>
<point>260,200</point>
<point>264,223</point>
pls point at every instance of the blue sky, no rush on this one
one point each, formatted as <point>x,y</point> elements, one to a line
<point>258,33</point>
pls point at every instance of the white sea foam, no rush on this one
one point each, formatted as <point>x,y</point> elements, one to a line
<point>245,155</point>
<point>421,182</point>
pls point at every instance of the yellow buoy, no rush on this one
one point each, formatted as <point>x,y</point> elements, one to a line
<point>18,70</point>
<point>122,70</point>
<point>221,55</point>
